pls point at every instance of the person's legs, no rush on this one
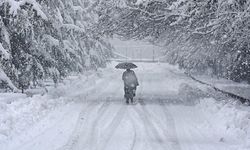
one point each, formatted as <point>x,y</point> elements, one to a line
<point>132,100</point>
<point>126,94</point>
<point>134,90</point>
<point>127,101</point>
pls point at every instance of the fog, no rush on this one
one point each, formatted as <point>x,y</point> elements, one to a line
<point>137,49</point>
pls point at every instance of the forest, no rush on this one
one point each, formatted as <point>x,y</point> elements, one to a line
<point>41,39</point>
<point>198,35</point>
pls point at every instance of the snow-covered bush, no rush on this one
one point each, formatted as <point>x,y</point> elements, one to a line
<point>228,118</point>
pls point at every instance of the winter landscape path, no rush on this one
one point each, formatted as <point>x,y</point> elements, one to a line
<point>161,119</point>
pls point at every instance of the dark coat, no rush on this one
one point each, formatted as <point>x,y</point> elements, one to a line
<point>130,79</point>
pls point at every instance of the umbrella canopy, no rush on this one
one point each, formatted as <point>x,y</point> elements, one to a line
<point>125,65</point>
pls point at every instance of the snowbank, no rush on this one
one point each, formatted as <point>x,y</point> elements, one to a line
<point>19,112</point>
<point>241,89</point>
<point>228,118</point>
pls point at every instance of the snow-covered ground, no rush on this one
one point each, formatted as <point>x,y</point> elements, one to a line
<point>241,89</point>
<point>172,112</point>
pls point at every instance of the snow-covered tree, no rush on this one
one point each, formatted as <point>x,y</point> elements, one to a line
<point>48,39</point>
<point>197,34</point>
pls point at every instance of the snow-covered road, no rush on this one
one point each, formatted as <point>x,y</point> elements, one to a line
<point>165,117</point>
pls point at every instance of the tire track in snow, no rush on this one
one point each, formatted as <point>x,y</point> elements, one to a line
<point>86,113</point>
<point>163,131</point>
<point>75,134</point>
<point>134,136</point>
<point>167,127</point>
<point>79,126</point>
<point>112,127</point>
<point>52,127</point>
<point>145,139</point>
<point>92,137</point>
<point>156,141</point>
<point>135,143</point>
<point>88,139</point>
<point>170,125</point>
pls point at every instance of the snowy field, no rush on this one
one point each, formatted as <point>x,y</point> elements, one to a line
<point>172,112</point>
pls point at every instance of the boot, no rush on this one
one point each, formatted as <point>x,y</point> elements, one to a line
<point>127,101</point>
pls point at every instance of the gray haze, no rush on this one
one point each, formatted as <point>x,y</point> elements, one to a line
<point>136,49</point>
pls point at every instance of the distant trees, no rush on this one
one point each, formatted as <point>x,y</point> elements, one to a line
<point>42,39</point>
<point>197,34</point>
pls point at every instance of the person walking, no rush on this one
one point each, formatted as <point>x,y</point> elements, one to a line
<point>130,84</point>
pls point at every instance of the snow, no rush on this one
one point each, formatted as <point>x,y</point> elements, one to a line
<point>228,119</point>
<point>19,112</point>
<point>140,2</point>
<point>88,112</point>
<point>59,15</point>
<point>6,34</point>
<point>4,52</point>
<point>78,8</point>
<point>5,78</point>
<point>15,6</point>
<point>73,27</point>
<point>241,89</point>
<point>51,40</point>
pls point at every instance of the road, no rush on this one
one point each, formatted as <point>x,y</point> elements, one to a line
<point>161,119</point>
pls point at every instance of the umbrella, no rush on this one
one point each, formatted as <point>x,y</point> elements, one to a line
<point>125,65</point>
